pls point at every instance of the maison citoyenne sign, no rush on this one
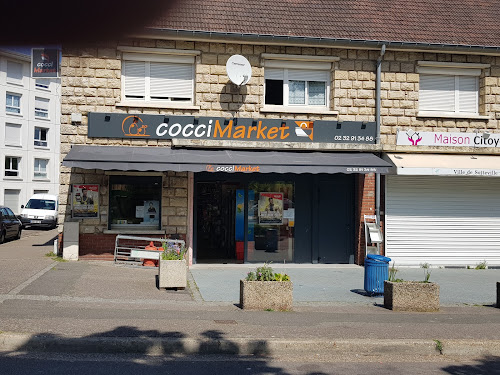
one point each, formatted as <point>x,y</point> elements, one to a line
<point>141,126</point>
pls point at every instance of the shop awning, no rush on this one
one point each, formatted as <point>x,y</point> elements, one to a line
<point>123,158</point>
<point>445,164</point>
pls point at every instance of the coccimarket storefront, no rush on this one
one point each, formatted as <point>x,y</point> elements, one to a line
<point>254,205</point>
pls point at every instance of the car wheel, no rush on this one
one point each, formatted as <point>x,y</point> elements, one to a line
<point>2,237</point>
<point>18,237</point>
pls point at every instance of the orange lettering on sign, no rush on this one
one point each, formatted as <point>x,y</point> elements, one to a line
<point>272,133</point>
<point>283,136</point>
<point>250,130</point>
<point>218,129</point>
<point>260,130</point>
<point>239,132</point>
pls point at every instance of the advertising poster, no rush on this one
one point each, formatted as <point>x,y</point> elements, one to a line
<point>151,212</point>
<point>271,208</point>
<point>240,215</point>
<point>85,201</point>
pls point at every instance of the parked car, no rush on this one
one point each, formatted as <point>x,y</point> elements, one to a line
<point>40,211</point>
<point>10,225</point>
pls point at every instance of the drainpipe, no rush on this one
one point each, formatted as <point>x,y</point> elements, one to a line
<point>377,120</point>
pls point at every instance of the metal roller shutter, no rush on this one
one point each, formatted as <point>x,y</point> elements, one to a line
<point>443,220</point>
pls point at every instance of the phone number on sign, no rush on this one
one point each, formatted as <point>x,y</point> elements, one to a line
<point>354,138</point>
<point>361,169</point>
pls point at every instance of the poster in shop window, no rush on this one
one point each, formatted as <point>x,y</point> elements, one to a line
<point>271,208</point>
<point>85,201</point>
<point>151,212</point>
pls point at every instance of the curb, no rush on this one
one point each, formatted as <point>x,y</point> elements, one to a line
<point>244,346</point>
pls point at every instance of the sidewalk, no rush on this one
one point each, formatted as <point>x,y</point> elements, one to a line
<point>90,306</point>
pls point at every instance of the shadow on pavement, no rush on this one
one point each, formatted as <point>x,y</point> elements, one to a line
<point>48,243</point>
<point>486,366</point>
<point>249,358</point>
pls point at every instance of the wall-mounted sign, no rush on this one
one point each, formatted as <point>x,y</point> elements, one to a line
<point>85,201</point>
<point>413,138</point>
<point>117,125</point>
<point>44,63</point>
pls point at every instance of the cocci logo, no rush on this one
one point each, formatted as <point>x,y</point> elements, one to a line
<point>210,168</point>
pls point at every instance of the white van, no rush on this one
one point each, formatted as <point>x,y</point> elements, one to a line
<point>40,211</point>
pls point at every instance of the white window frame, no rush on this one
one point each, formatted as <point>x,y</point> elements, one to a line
<point>7,105</point>
<point>42,113</point>
<point>36,169</point>
<point>286,63</point>
<point>10,169</point>
<point>35,139</point>
<point>160,56</point>
<point>455,70</point>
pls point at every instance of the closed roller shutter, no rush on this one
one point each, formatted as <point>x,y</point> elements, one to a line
<point>443,220</point>
<point>11,200</point>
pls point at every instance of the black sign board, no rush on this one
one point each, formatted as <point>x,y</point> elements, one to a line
<point>140,126</point>
<point>44,63</point>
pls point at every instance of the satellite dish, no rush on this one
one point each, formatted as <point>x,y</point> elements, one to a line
<point>238,70</point>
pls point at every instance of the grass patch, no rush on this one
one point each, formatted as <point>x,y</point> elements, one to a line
<point>439,346</point>
<point>55,257</point>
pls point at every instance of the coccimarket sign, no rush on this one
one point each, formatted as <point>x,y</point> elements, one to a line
<point>117,125</point>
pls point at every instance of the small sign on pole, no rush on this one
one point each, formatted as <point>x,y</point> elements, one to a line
<point>44,63</point>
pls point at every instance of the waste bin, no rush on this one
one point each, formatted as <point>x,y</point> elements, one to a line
<point>376,272</point>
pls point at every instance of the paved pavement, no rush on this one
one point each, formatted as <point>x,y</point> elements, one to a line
<point>100,306</point>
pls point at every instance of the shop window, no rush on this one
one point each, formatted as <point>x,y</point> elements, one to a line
<point>42,107</point>
<point>271,221</point>
<point>13,103</point>
<point>40,168</point>
<point>40,138</point>
<point>135,202</point>
<point>157,78</point>
<point>12,166</point>
<point>297,87</point>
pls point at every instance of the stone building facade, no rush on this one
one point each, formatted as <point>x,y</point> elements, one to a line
<point>92,81</point>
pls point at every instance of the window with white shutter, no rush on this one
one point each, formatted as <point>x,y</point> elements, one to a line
<point>12,134</point>
<point>157,78</point>
<point>42,107</point>
<point>14,72</point>
<point>448,90</point>
<point>11,199</point>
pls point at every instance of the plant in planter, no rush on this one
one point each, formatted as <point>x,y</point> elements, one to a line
<point>266,290</point>
<point>401,295</point>
<point>172,271</point>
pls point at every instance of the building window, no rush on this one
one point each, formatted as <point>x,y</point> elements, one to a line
<point>41,137</point>
<point>42,107</point>
<point>14,72</point>
<point>11,199</point>
<point>158,78</point>
<point>12,166</point>
<point>40,168</point>
<point>449,93</point>
<point>12,134</point>
<point>13,103</point>
<point>135,202</point>
<point>449,89</point>
<point>42,83</point>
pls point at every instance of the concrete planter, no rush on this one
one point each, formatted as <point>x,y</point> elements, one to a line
<point>411,296</point>
<point>266,295</point>
<point>172,273</point>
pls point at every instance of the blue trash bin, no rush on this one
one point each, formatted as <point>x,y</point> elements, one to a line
<point>376,272</point>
